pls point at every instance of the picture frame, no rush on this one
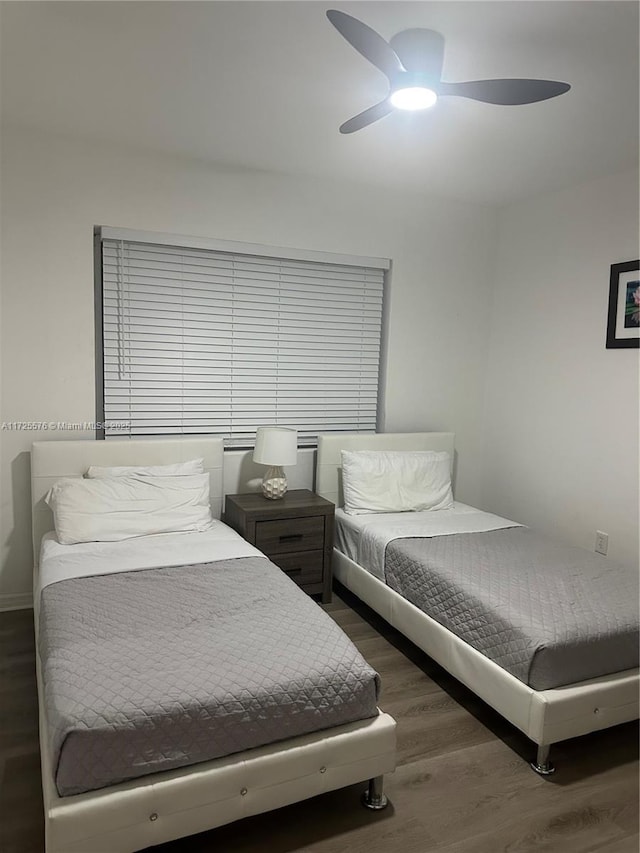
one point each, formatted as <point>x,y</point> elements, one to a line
<point>623,322</point>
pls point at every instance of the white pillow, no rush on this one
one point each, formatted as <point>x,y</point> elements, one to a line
<point>114,508</point>
<point>178,469</point>
<point>395,481</point>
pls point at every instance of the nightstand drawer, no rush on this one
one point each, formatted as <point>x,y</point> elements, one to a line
<point>303,568</point>
<point>286,535</point>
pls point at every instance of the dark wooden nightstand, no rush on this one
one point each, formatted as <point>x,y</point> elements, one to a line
<point>295,532</point>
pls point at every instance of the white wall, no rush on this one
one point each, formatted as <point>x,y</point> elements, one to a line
<point>561,421</point>
<point>54,190</point>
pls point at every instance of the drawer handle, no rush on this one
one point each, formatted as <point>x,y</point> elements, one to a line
<point>291,537</point>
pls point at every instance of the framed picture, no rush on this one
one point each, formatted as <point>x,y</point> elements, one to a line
<point>623,326</point>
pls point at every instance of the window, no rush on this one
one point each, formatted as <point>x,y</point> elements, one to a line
<point>221,338</point>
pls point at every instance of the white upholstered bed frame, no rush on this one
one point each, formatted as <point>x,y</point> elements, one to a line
<point>545,716</point>
<point>158,808</point>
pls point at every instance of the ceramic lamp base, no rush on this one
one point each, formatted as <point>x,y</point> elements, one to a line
<point>274,483</point>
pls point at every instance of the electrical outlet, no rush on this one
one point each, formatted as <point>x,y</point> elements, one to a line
<point>602,542</point>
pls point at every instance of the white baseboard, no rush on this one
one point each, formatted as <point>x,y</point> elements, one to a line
<point>16,601</point>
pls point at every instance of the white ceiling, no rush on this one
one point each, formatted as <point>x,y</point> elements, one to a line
<point>266,85</point>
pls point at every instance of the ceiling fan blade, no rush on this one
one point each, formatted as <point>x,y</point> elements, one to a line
<point>420,50</point>
<point>367,117</point>
<point>366,41</point>
<point>507,92</point>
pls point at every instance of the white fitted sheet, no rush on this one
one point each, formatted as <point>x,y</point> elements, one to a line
<point>61,562</point>
<point>364,538</point>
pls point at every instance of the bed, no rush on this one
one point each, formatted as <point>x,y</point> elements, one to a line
<point>546,716</point>
<point>165,804</point>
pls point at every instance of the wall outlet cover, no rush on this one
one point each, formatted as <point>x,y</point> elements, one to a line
<point>602,542</point>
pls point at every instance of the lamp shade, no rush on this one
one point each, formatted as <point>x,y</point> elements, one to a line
<point>276,446</point>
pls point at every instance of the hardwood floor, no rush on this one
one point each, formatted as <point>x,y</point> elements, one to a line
<point>462,784</point>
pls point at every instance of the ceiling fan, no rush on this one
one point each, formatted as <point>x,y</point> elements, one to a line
<point>412,62</point>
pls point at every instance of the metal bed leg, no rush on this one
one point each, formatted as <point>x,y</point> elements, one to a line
<point>373,798</point>
<point>542,765</point>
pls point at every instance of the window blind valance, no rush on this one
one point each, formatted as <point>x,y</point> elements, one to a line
<point>197,340</point>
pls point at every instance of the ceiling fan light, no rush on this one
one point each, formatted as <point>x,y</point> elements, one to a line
<point>413,98</point>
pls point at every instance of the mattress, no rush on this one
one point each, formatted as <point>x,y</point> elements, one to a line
<point>548,613</point>
<point>151,669</point>
<point>364,538</point>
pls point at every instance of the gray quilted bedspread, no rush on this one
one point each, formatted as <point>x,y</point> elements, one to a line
<point>151,670</point>
<point>549,614</point>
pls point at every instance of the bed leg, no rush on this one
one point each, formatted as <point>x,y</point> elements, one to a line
<point>373,798</point>
<point>542,765</point>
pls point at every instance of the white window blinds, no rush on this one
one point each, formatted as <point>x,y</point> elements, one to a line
<point>219,342</point>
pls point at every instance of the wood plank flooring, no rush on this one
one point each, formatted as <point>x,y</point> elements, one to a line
<point>462,784</point>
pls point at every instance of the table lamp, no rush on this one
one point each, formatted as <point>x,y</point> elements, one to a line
<point>275,447</point>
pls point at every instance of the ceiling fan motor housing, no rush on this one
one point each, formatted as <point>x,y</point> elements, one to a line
<point>414,79</point>
<point>421,52</point>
